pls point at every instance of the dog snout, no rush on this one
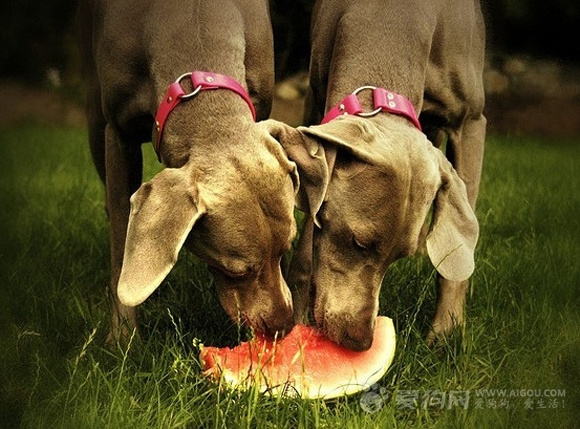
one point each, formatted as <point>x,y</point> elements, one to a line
<point>274,322</point>
<point>268,312</point>
<point>354,334</point>
<point>280,325</point>
<point>358,338</point>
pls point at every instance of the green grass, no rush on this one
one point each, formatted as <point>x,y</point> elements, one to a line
<point>522,332</point>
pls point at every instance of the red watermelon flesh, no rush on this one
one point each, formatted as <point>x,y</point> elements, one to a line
<point>304,362</point>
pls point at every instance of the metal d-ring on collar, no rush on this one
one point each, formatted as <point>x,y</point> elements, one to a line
<point>192,93</point>
<point>383,101</point>
<point>175,94</point>
<point>367,114</point>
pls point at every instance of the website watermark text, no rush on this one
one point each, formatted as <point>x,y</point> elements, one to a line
<point>376,397</point>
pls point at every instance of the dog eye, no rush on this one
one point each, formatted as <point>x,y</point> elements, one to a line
<point>236,274</point>
<point>230,273</point>
<point>360,244</point>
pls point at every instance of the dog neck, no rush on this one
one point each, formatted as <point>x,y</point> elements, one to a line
<point>214,123</point>
<point>196,83</point>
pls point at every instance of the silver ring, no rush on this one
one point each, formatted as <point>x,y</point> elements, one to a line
<point>367,114</point>
<point>192,93</point>
<point>356,91</point>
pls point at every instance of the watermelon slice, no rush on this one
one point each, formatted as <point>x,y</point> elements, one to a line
<point>303,363</point>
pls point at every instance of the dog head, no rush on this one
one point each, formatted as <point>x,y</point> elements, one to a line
<point>370,185</point>
<point>234,210</point>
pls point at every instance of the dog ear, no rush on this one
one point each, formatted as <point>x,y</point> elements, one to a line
<point>163,212</point>
<point>314,162</point>
<point>454,228</point>
<point>362,139</point>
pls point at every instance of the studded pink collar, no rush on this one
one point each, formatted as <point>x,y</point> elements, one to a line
<point>200,81</point>
<point>383,100</point>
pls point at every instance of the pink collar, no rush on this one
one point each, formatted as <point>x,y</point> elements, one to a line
<point>176,94</point>
<point>386,101</point>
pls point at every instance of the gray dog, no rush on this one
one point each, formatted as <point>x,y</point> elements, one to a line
<point>228,190</point>
<point>377,187</point>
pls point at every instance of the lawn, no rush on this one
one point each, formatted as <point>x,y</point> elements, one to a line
<point>516,364</point>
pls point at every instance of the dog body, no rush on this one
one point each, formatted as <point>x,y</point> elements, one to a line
<point>228,190</point>
<point>370,183</point>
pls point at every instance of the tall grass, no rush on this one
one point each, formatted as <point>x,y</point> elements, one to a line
<point>522,333</point>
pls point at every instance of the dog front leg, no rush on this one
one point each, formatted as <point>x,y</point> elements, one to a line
<point>465,152</point>
<point>450,309</point>
<point>124,165</point>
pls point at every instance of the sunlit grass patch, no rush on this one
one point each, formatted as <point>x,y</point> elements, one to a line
<point>522,319</point>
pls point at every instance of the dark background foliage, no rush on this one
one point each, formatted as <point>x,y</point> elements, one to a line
<point>39,35</point>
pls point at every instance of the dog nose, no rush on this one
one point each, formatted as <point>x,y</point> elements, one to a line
<point>357,339</point>
<point>279,321</point>
<point>279,327</point>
